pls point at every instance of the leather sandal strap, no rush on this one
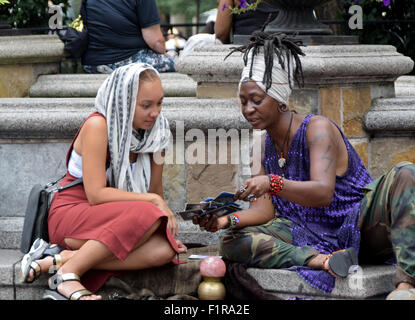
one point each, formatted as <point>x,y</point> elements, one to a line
<point>37,270</point>
<point>79,294</point>
<point>57,261</point>
<point>69,277</point>
<point>57,279</point>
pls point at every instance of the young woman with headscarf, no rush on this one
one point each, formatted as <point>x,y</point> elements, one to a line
<point>117,220</point>
<point>314,206</point>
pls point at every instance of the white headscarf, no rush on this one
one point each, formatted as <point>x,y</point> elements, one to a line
<point>280,89</point>
<point>116,100</point>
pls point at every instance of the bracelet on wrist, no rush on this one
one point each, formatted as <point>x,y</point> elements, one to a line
<point>233,220</point>
<point>228,224</point>
<point>276,184</point>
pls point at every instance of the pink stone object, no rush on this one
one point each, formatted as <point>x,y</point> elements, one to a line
<point>212,267</point>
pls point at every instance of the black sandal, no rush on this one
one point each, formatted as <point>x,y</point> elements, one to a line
<point>342,262</point>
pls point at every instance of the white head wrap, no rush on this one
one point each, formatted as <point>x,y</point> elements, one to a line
<point>280,89</point>
<point>116,100</point>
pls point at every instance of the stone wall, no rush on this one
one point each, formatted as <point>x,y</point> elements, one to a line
<point>35,134</point>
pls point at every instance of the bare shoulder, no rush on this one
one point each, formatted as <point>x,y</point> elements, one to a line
<point>96,123</point>
<point>93,132</point>
<point>321,128</point>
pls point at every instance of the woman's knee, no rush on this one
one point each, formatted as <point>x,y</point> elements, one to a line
<point>162,252</point>
<point>236,246</point>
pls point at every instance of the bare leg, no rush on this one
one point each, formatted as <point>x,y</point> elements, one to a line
<point>317,261</point>
<point>152,250</point>
<point>46,263</point>
<point>155,252</point>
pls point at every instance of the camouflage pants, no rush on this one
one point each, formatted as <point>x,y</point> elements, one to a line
<point>160,62</point>
<point>387,225</point>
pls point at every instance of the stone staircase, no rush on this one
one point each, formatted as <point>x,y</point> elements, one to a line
<point>17,115</point>
<point>36,129</point>
<point>369,282</point>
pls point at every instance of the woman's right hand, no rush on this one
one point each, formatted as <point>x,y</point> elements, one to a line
<point>211,223</point>
<point>172,224</point>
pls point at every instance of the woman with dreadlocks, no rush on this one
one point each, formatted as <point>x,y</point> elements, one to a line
<point>314,205</point>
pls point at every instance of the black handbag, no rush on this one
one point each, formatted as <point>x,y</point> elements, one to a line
<point>75,36</point>
<point>36,218</point>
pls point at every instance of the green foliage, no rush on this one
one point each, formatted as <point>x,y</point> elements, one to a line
<point>401,35</point>
<point>4,2</point>
<point>186,7</point>
<point>28,13</point>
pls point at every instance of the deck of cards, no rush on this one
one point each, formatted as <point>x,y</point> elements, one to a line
<point>222,205</point>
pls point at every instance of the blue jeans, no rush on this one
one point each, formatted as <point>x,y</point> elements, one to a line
<point>160,62</point>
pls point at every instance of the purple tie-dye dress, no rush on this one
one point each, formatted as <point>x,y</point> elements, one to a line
<point>326,229</point>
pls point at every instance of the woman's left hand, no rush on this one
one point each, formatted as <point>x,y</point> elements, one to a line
<point>253,188</point>
<point>172,225</point>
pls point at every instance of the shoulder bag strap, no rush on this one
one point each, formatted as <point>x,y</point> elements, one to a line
<point>71,184</point>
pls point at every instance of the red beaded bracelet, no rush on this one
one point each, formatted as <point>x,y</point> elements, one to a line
<point>276,184</point>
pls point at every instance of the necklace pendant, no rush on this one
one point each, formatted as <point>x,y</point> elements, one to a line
<point>281,162</point>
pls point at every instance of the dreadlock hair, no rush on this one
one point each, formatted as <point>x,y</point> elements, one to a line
<point>278,43</point>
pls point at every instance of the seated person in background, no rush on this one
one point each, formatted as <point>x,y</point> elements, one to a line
<point>124,32</point>
<point>241,24</point>
<point>314,205</point>
<point>175,42</point>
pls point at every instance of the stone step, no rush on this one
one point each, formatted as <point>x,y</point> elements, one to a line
<point>87,85</point>
<point>405,86</point>
<point>370,282</point>
<point>11,232</point>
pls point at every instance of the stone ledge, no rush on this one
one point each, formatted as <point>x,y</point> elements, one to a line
<point>87,85</point>
<point>368,282</point>
<point>391,116</point>
<point>30,49</point>
<point>10,232</point>
<point>373,282</point>
<point>340,64</point>
<point>60,118</point>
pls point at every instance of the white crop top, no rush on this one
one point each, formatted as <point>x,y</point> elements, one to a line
<point>75,165</point>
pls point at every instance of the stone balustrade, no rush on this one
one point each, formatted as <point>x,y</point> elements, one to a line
<point>340,82</point>
<point>24,58</point>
